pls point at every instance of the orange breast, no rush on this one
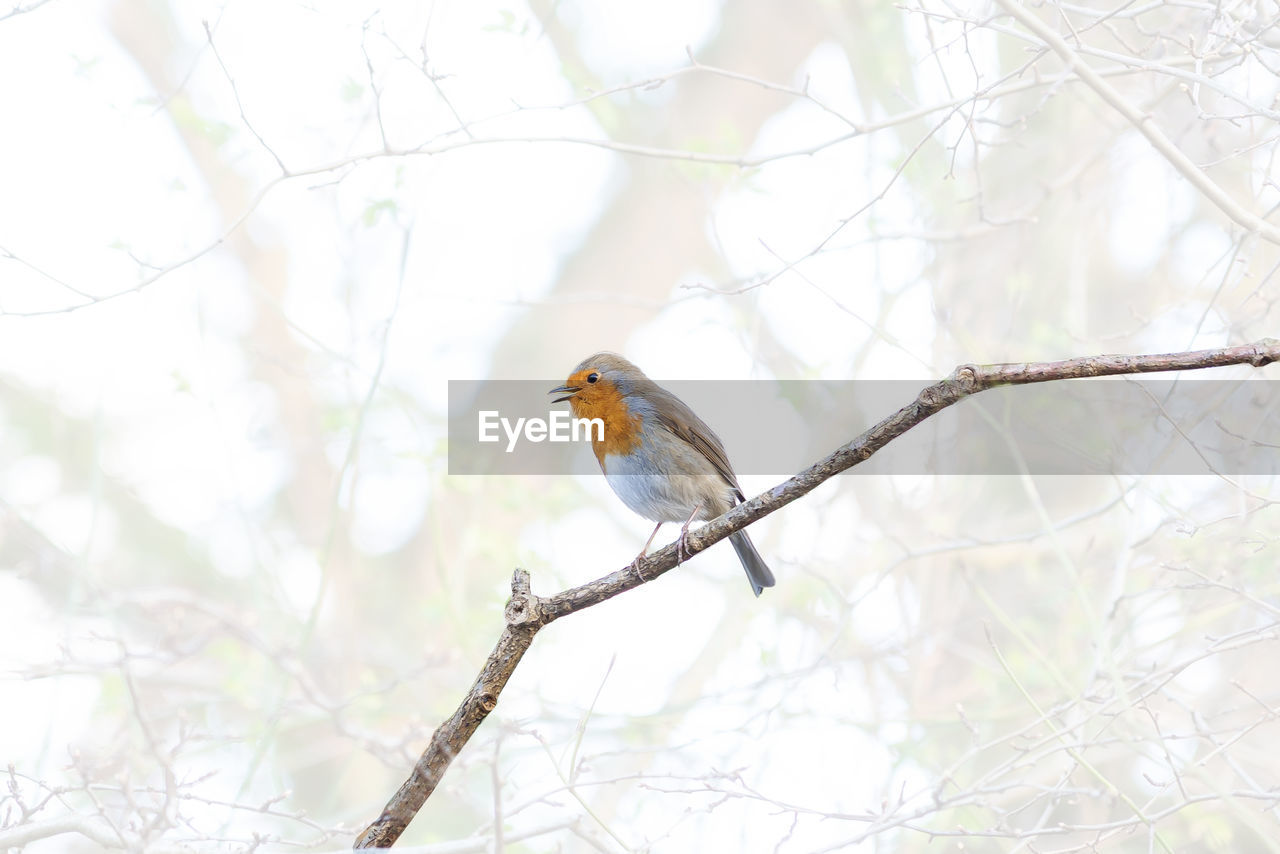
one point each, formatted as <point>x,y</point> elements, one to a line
<point>621,425</point>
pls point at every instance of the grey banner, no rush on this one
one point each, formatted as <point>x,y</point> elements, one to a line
<point>1094,426</point>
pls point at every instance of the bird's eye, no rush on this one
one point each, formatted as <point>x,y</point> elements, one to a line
<point>592,377</point>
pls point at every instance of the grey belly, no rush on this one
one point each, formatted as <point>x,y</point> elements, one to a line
<point>667,499</point>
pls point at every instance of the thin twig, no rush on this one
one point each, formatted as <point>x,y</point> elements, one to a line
<point>1143,122</point>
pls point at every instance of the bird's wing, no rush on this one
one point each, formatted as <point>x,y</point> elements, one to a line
<point>677,417</point>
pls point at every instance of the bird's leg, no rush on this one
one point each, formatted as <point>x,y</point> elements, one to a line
<point>649,541</point>
<point>635,564</point>
<point>684,532</point>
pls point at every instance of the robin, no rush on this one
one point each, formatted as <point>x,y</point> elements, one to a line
<point>661,459</point>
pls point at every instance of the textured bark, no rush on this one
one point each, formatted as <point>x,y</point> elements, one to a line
<point>523,617</point>
<point>527,613</point>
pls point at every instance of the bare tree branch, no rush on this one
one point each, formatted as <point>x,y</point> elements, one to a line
<point>1142,121</point>
<point>22,10</point>
<point>526,613</point>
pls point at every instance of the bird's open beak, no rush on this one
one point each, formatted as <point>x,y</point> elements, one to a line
<point>572,389</point>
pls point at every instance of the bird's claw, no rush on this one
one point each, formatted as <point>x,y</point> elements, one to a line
<point>635,567</point>
<point>682,547</point>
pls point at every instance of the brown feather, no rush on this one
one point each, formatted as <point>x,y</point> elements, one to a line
<point>676,416</point>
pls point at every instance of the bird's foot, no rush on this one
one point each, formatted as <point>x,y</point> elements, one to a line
<point>635,567</point>
<point>682,547</point>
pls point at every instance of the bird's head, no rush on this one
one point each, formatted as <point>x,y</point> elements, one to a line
<point>599,387</point>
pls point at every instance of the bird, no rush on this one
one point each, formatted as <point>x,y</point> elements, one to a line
<point>659,457</point>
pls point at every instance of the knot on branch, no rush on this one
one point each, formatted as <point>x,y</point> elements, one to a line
<point>966,377</point>
<point>1268,351</point>
<point>523,608</point>
<point>962,382</point>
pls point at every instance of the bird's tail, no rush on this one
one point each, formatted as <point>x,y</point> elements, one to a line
<point>757,573</point>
